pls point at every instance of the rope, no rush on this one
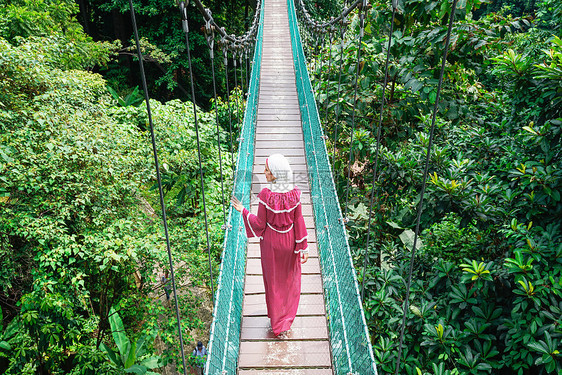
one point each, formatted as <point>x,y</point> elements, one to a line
<point>246,38</point>
<point>312,23</point>
<point>225,52</point>
<point>426,169</point>
<point>241,72</point>
<point>247,69</point>
<point>210,37</point>
<point>159,178</point>
<point>317,69</point>
<point>342,34</point>
<point>183,11</point>
<point>328,77</point>
<point>379,127</point>
<point>236,96</point>
<point>361,31</point>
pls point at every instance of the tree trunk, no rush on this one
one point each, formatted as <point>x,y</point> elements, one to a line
<point>85,13</point>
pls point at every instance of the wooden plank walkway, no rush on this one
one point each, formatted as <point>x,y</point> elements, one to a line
<point>305,349</point>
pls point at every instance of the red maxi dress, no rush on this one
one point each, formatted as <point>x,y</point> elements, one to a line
<point>280,226</point>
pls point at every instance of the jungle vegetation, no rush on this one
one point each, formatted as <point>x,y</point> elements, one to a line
<point>81,246</point>
<point>486,284</point>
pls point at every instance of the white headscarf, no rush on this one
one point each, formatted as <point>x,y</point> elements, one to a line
<point>281,170</point>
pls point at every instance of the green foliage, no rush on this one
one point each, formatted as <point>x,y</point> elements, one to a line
<point>25,18</point>
<point>67,47</point>
<point>486,289</point>
<point>78,231</point>
<point>166,59</point>
<point>129,352</point>
<point>447,240</point>
<point>134,98</point>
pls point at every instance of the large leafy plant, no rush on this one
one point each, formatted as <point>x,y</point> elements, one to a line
<point>131,354</point>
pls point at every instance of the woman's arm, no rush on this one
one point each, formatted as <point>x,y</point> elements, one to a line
<point>301,235</point>
<point>236,204</point>
<point>255,224</point>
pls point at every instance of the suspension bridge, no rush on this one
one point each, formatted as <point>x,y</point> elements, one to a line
<point>285,120</point>
<point>329,334</point>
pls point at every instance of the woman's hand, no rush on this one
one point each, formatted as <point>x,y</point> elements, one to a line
<point>236,204</point>
<point>304,257</point>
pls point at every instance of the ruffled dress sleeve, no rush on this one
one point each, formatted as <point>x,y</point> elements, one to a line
<point>301,234</point>
<point>255,224</point>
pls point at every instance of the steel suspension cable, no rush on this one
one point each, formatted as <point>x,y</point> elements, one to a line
<point>241,72</point>
<point>317,66</point>
<point>241,40</point>
<point>236,95</point>
<point>185,26</point>
<point>210,37</point>
<point>332,21</point>
<point>361,31</point>
<point>342,42</point>
<point>247,69</point>
<point>377,152</point>
<point>330,40</point>
<point>225,53</point>
<point>159,179</point>
<point>425,173</point>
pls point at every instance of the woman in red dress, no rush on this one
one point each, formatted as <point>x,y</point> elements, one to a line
<point>280,227</point>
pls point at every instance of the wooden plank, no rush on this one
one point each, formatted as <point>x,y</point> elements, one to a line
<point>274,130</point>
<point>275,111</point>
<point>277,353</point>
<point>261,136</point>
<point>272,143</point>
<point>300,371</point>
<point>303,328</point>
<point>266,150</point>
<point>280,103</point>
<point>293,160</point>
<point>265,105</point>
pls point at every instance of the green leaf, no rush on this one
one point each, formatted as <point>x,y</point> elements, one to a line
<point>407,238</point>
<point>131,356</point>
<point>416,85</point>
<point>394,225</point>
<point>139,352</point>
<point>136,369</point>
<point>539,347</point>
<point>152,362</point>
<point>118,332</point>
<point>432,97</point>
<point>530,130</point>
<point>112,355</point>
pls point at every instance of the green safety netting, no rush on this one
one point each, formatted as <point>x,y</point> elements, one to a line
<point>224,342</point>
<point>351,347</point>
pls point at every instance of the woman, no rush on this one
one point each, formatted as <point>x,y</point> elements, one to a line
<point>280,227</point>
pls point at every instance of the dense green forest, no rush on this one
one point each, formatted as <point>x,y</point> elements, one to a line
<point>82,251</point>
<point>486,284</point>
